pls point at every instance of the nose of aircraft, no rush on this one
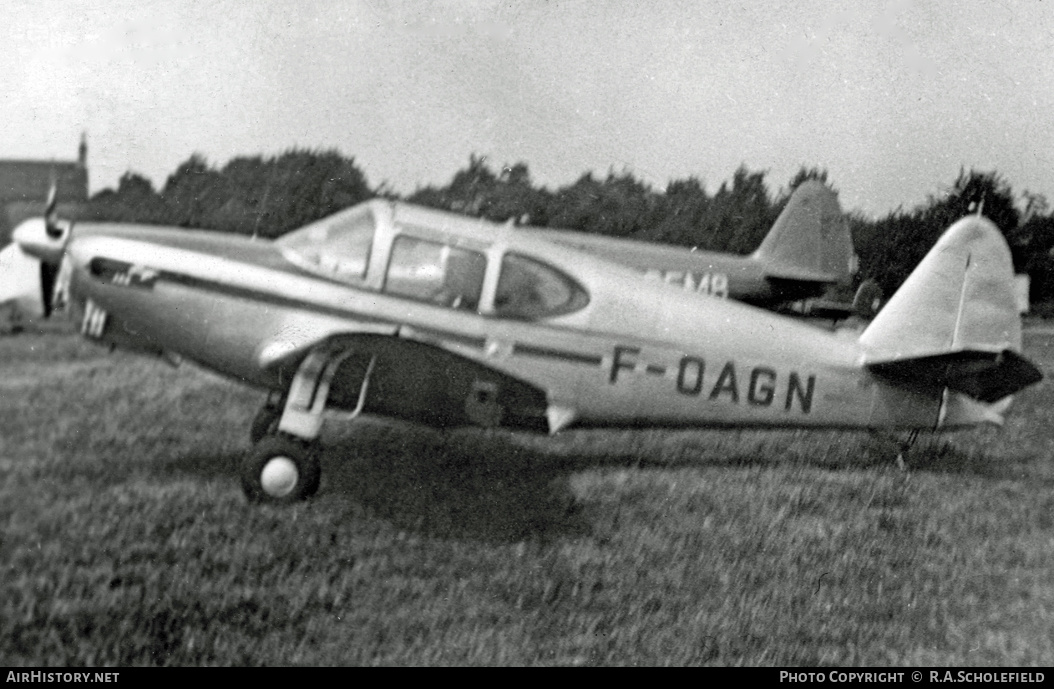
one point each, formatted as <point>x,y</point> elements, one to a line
<point>33,264</point>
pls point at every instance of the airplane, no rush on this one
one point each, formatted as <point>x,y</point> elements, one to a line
<point>807,251</point>
<point>411,313</point>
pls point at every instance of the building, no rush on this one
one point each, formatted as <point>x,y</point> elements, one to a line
<point>24,186</point>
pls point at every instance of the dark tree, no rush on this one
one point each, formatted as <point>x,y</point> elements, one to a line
<point>680,214</point>
<point>134,200</point>
<point>891,248</point>
<point>478,191</point>
<point>193,192</point>
<point>739,215</point>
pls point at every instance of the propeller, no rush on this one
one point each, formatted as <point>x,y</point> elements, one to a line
<point>34,269</point>
<point>51,217</point>
<point>48,275</point>
<point>49,272</point>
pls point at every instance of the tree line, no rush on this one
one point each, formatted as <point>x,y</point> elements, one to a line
<point>269,196</point>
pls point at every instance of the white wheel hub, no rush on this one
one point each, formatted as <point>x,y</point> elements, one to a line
<point>278,477</point>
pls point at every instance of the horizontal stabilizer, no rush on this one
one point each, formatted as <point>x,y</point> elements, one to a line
<point>981,375</point>
<point>791,274</point>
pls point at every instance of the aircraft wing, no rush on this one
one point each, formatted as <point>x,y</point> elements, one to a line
<point>413,374</point>
<point>288,347</point>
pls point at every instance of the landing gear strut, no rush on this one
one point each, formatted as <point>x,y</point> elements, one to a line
<point>283,466</point>
<point>904,447</point>
<point>265,422</point>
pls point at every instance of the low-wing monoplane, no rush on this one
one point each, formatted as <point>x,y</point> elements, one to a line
<point>808,251</point>
<point>400,311</point>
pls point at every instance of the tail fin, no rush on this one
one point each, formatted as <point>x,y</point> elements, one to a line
<point>810,240</point>
<point>954,323</point>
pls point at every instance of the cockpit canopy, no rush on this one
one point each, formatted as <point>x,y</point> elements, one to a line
<point>431,262</point>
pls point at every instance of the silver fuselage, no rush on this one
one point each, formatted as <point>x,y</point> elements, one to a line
<point>640,353</point>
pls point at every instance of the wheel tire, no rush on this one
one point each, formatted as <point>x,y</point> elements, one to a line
<point>281,470</point>
<point>265,423</point>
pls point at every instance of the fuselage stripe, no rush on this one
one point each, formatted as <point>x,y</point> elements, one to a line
<point>467,340</point>
<point>564,355</point>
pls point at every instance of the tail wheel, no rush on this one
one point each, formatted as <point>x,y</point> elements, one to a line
<point>280,470</point>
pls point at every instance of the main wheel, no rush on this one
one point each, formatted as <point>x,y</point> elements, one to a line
<point>265,422</point>
<point>281,469</point>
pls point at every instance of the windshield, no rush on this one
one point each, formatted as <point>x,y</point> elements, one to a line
<point>337,246</point>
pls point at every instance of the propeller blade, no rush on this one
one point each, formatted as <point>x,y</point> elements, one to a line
<point>51,210</point>
<point>48,275</point>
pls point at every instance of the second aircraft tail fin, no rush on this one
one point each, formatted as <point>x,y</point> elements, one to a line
<point>810,239</point>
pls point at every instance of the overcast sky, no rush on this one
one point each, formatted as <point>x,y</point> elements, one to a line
<point>891,97</point>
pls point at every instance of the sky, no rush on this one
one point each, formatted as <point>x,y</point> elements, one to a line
<point>891,97</point>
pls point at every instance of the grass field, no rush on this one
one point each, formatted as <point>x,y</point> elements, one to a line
<point>126,539</point>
